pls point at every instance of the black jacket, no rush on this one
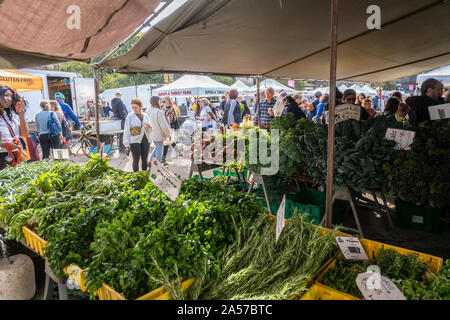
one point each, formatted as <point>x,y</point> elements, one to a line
<point>295,109</point>
<point>119,109</point>
<point>419,109</point>
<point>236,113</point>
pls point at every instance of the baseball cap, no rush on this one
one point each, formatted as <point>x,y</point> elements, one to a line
<point>318,94</point>
<point>59,95</point>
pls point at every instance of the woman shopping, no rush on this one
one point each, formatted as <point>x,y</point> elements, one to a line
<point>171,113</point>
<point>48,138</point>
<point>13,133</point>
<point>136,134</point>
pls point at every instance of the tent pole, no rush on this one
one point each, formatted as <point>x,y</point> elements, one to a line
<point>331,122</point>
<point>97,118</point>
<point>258,101</point>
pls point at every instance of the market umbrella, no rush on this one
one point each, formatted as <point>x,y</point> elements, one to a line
<point>20,81</point>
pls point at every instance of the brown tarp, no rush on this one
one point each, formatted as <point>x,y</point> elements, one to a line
<point>35,32</point>
<point>290,39</point>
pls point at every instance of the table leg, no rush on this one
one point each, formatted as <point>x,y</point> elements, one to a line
<point>355,214</point>
<point>388,212</point>
<point>267,197</point>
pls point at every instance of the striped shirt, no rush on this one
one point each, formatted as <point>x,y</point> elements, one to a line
<point>266,118</point>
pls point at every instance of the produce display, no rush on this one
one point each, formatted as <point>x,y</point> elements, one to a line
<point>422,175</point>
<point>255,266</point>
<point>404,270</point>
<point>123,230</point>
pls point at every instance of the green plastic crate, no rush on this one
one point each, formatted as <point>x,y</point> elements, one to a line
<point>198,178</point>
<point>274,206</point>
<point>412,216</point>
<point>312,203</point>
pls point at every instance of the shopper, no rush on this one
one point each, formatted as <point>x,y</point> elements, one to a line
<point>360,99</point>
<point>160,127</point>
<point>46,139</point>
<point>13,132</point>
<point>119,112</point>
<point>65,124</point>
<point>350,98</point>
<point>266,109</point>
<point>397,95</point>
<point>136,134</point>
<point>232,113</point>
<point>106,109</point>
<point>204,110</point>
<point>367,105</point>
<point>378,102</point>
<point>431,91</point>
<point>320,108</point>
<point>391,106</point>
<point>67,110</point>
<point>211,123</point>
<point>402,114</point>
<point>170,111</point>
<point>290,106</point>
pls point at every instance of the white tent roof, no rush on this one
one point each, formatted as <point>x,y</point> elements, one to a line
<point>239,85</point>
<point>342,88</point>
<point>192,85</point>
<point>441,74</point>
<point>357,88</point>
<point>369,90</point>
<point>322,90</point>
<point>271,83</point>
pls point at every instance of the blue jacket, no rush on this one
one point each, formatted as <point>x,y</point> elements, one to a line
<point>68,113</point>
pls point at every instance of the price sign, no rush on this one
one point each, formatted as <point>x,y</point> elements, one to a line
<point>347,111</point>
<point>180,169</point>
<point>278,108</point>
<point>61,154</point>
<point>165,180</point>
<point>351,248</point>
<point>375,286</point>
<point>404,138</point>
<point>280,218</point>
<point>441,111</point>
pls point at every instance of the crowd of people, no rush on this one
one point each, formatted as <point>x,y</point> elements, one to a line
<point>160,122</point>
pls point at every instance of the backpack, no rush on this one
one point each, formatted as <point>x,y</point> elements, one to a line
<point>53,125</point>
<point>66,128</point>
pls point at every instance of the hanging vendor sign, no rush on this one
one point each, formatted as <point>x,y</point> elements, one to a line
<point>439,112</point>
<point>404,138</point>
<point>347,111</point>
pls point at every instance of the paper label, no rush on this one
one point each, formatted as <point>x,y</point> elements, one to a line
<point>61,154</point>
<point>165,180</point>
<point>346,112</point>
<point>441,111</point>
<point>280,218</point>
<point>404,138</point>
<point>417,219</point>
<point>278,108</point>
<point>180,169</point>
<point>351,248</point>
<point>375,286</point>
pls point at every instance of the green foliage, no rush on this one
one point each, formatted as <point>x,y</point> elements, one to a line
<point>422,174</point>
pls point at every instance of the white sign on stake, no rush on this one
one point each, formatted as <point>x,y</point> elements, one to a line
<point>165,180</point>
<point>441,111</point>
<point>375,286</point>
<point>180,169</point>
<point>351,248</point>
<point>280,218</point>
<point>347,111</point>
<point>404,138</point>
<point>61,154</point>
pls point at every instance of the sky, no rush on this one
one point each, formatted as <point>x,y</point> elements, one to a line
<point>171,8</point>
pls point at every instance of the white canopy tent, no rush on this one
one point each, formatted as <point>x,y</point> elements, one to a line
<point>441,74</point>
<point>368,90</point>
<point>270,83</point>
<point>193,85</point>
<point>239,85</point>
<point>342,88</point>
<point>357,88</point>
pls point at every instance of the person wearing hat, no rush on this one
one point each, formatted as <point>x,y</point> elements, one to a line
<point>66,109</point>
<point>339,101</point>
<point>350,98</point>
<point>119,112</point>
<point>312,107</point>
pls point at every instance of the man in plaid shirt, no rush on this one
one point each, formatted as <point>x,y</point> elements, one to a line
<point>266,109</point>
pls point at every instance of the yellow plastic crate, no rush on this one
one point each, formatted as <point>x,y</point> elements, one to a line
<point>77,275</point>
<point>108,293</point>
<point>372,247</point>
<point>34,241</point>
<point>319,291</point>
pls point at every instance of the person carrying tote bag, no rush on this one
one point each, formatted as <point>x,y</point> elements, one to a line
<point>49,129</point>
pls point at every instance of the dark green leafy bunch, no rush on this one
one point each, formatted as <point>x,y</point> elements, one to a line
<point>360,152</point>
<point>393,265</point>
<point>422,174</point>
